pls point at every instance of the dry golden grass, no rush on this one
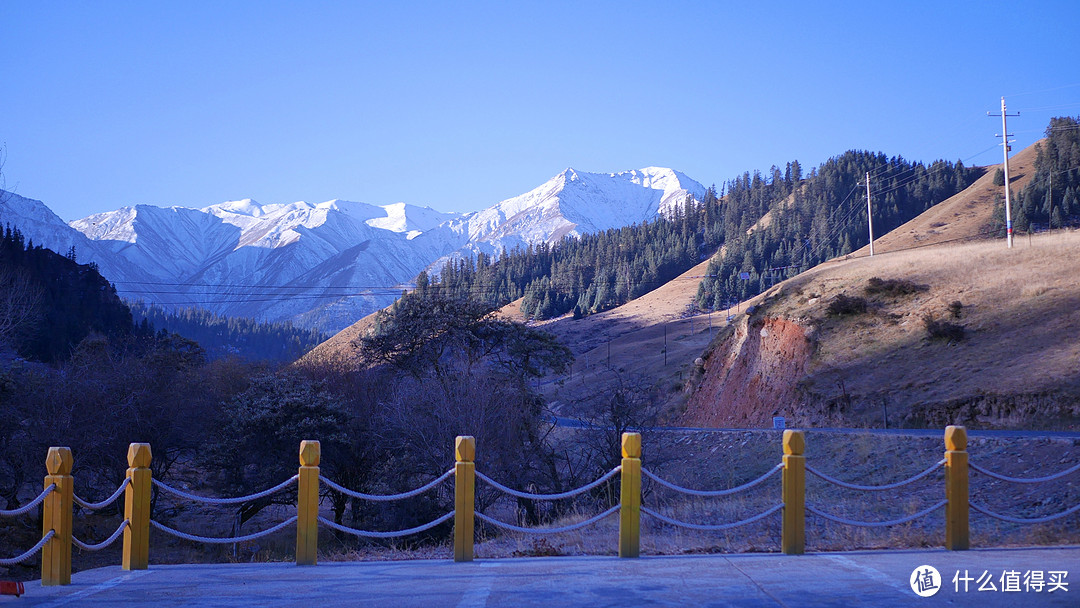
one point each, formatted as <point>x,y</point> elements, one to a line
<point>1019,309</point>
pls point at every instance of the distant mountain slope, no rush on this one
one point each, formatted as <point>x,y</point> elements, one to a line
<point>325,265</point>
<point>574,203</point>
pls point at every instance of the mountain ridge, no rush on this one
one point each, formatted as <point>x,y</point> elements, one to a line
<point>327,264</point>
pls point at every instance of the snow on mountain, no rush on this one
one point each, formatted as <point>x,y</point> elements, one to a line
<point>326,264</point>
<point>43,227</point>
<point>317,264</point>
<point>574,203</point>
<point>39,224</point>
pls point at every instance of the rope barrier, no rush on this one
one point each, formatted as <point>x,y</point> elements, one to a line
<point>30,505</point>
<point>1058,475</point>
<point>373,534</point>
<point>745,486</point>
<point>18,559</point>
<point>711,527</point>
<point>387,497</point>
<point>105,543</point>
<point>227,501</point>
<point>1020,520</point>
<point>94,506</point>
<point>877,524</point>
<point>570,528</point>
<point>890,486</point>
<point>568,494</point>
<point>223,541</point>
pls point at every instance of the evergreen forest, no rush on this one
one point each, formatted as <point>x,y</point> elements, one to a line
<point>49,302</point>
<point>225,336</point>
<point>1052,198</point>
<point>759,228</point>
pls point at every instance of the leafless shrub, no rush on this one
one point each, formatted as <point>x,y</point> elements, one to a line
<point>843,305</point>
<point>893,287</point>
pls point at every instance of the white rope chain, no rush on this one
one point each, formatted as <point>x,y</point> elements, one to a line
<point>568,494</point>
<point>105,543</point>
<point>890,486</point>
<point>712,527</point>
<point>373,534</point>
<point>570,528</point>
<point>223,541</point>
<point>18,559</point>
<point>227,501</point>
<point>387,497</point>
<point>94,506</point>
<point>1020,520</point>
<point>745,486</point>
<point>877,524</point>
<point>1024,479</point>
<point>30,505</point>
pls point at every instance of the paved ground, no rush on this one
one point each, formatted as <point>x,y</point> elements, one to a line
<point>870,578</point>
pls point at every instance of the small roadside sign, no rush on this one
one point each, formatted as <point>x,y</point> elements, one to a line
<point>778,422</point>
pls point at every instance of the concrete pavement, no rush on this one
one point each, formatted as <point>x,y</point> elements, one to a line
<point>858,578</point>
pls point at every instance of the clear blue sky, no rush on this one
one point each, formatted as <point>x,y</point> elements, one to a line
<point>459,105</point>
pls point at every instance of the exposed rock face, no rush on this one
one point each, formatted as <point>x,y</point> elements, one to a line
<point>751,375</point>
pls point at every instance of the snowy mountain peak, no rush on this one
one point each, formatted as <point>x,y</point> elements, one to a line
<point>241,207</point>
<point>278,261</point>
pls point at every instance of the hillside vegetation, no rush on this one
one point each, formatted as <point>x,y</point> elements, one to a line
<point>231,336</point>
<point>49,302</point>
<point>973,334</point>
<point>770,226</point>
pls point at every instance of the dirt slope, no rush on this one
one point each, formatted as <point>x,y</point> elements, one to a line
<point>339,349</point>
<point>1018,363</point>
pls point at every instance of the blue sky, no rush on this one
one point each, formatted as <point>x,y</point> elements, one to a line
<point>459,105</point>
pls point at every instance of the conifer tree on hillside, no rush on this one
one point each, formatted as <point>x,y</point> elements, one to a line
<point>810,218</point>
<point>71,300</point>
<point>1049,200</point>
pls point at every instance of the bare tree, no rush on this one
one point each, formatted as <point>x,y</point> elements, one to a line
<point>20,300</point>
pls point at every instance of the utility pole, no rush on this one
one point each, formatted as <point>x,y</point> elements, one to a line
<point>869,214</point>
<point>1005,146</point>
<point>1051,197</point>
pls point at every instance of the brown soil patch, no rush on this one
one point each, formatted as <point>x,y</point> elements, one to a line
<point>1017,365</point>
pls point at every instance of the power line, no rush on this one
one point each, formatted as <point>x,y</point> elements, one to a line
<point>1067,86</point>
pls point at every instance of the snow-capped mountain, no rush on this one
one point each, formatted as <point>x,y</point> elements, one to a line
<point>574,203</point>
<point>325,265</point>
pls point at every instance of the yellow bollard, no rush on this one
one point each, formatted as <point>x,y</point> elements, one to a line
<point>794,493</point>
<point>464,497</point>
<point>307,504</point>
<point>956,489</point>
<point>630,497</point>
<point>136,554</point>
<point>56,554</point>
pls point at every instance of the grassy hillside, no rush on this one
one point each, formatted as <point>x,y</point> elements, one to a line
<point>1011,363</point>
<point>852,370</point>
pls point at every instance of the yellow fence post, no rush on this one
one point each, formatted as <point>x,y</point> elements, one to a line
<point>630,497</point>
<point>307,504</point>
<point>464,497</point>
<point>956,489</point>
<point>136,554</point>
<point>56,554</point>
<point>794,493</point>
